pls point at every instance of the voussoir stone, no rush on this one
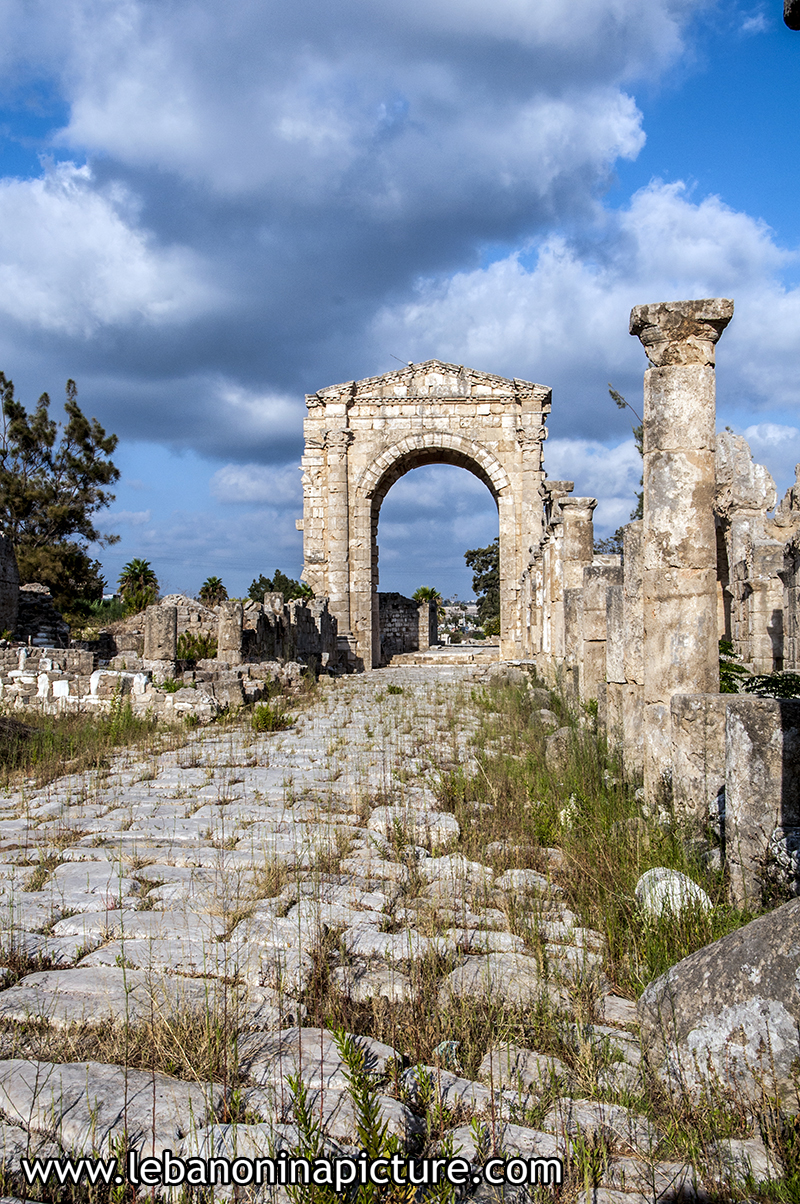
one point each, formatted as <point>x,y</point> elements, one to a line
<point>731,1011</point>
<point>87,1104</point>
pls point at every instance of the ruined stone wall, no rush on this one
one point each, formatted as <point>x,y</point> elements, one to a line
<point>399,625</point>
<point>38,621</point>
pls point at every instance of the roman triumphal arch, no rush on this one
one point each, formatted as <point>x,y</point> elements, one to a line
<point>363,436</point>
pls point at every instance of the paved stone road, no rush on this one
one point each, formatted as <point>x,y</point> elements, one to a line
<point>201,880</point>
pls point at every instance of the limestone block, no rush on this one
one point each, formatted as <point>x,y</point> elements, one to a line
<point>615,634</point>
<point>615,710</point>
<point>509,1065</point>
<point>698,755</point>
<point>573,625</point>
<point>108,683</point>
<point>512,977</point>
<point>632,605</point>
<point>593,668</point>
<point>657,749</point>
<point>160,633</point>
<point>588,1117</point>
<point>762,794</point>
<point>731,1012</point>
<point>511,1139</point>
<point>663,890</point>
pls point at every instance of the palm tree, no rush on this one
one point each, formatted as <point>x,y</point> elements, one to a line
<point>212,591</point>
<point>138,585</point>
<point>427,593</point>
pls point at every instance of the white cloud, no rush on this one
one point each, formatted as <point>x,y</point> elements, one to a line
<point>72,261</point>
<point>610,474</point>
<point>755,23</point>
<point>564,319</point>
<point>778,446</point>
<point>129,518</point>
<point>249,483</point>
<point>309,96</point>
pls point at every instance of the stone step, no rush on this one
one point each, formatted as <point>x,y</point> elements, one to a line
<point>449,655</point>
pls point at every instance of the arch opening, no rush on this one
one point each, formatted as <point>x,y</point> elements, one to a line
<point>426,511</point>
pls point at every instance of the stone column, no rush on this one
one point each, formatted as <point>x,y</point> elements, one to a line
<point>229,633</point>
<point>338,526</point>
<point>679,583</point>
<point>160,633</point>
<point>633,653</point>
<point>578,541</point>
<point>596,582</point>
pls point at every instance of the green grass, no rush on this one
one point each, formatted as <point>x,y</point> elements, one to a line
<point>46,746</point>
<point>591,814</point>
<point>272,716</point>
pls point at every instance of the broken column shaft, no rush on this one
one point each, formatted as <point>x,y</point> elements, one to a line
<point>679,552</point>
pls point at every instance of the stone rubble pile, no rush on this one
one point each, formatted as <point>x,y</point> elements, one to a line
<point>203,881</point>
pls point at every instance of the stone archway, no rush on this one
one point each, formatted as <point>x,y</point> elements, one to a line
<point>364,435</point>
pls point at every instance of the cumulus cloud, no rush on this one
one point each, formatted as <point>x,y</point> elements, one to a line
<point>610,474</point>
<point>263,178</point>
<point>246,95</point>
<point>72,259</point>
<point>558,311</point>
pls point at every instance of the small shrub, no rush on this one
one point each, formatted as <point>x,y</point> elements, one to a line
<point>171,685</point>
<point>193,648</point>
<point>731,672</point>
<point>394,689</point>
<point>271,717</point>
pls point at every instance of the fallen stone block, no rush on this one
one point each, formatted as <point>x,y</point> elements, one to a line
<point>730,1013</point>
<point>663,890</point>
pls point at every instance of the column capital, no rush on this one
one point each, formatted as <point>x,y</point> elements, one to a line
<point>681,332</point>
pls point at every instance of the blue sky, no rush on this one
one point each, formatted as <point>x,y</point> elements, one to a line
<point>209,208</point>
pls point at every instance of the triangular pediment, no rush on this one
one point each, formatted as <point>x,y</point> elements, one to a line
<point>433,378</point>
